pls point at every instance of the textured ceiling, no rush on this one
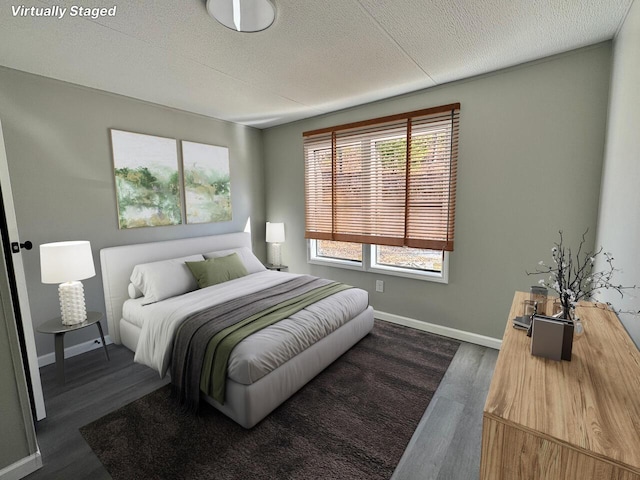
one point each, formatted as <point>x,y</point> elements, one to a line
<point>318,56</point>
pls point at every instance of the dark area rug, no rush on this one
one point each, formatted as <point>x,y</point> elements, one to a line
<point>353,421</point>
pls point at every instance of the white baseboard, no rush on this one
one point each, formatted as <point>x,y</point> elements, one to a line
<point>470,337</point>
<point>49,358</point>
<point>22,467</point>
<point>440,330</point>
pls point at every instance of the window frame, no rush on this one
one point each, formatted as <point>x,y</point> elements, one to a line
<point>369,265</point>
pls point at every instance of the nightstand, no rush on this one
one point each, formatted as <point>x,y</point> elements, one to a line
<point>279,268</point>
<point>55,327</point>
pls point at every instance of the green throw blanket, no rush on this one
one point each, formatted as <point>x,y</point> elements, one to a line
<point>204,341</point>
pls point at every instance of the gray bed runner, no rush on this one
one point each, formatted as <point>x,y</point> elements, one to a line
<point>193,336</point>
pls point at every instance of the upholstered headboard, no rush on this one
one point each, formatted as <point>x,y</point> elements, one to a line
<point>117,264</point>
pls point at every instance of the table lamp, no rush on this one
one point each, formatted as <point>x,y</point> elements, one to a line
<point>275,236</point>
<point>67,263</point>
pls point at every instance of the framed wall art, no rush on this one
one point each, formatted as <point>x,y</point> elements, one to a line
<point>207,182</point>
<point>147,180</point>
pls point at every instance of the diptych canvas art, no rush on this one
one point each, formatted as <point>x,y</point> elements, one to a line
<point>149,183</point>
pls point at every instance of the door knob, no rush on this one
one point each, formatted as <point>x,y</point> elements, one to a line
<point>15,246</point>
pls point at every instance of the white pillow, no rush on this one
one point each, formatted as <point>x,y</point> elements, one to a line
<point>164,279</point>
<point>250,261</point>
<point>134,292</point>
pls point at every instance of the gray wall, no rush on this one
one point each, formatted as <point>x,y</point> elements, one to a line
<point>531,149</point>
<point>619,218</point>
<point>57,141</point>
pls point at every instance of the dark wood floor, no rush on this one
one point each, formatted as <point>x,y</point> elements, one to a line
<point>94,387</point>
<point>446,444</point>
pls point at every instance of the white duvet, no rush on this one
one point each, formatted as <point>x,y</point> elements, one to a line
<point>258,354</point>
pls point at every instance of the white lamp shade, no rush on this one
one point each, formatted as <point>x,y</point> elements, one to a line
<point>66,261</point>
<point>275,232</point>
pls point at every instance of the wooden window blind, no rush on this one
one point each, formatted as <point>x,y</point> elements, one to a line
<point>385,181</point>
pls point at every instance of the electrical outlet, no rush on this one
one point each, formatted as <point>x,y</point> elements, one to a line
<point>379,286</point>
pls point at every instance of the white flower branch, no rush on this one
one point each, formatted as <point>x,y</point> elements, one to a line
<point>572,276</point>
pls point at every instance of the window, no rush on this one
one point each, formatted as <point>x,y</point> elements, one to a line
<point>417,259</point>
<point>388,181</point>
<point>380,194</point>
<point>422,264</point>
<point>344,251</point>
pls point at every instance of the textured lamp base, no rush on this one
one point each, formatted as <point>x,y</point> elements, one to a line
<point>72,307</point>
<point>274,254</point>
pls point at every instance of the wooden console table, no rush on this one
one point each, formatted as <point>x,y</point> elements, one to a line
<point>564,420</point>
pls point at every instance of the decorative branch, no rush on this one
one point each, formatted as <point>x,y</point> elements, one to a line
<point>572,276</point>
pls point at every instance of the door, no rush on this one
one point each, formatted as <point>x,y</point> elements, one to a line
<point>19,452</point>
<point>18,283</point>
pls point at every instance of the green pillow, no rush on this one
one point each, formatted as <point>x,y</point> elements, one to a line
<point>217,270</point>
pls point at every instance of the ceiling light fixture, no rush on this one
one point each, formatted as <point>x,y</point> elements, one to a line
<point>243,15</point>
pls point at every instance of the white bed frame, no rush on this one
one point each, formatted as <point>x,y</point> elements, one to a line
<point>245,404</point>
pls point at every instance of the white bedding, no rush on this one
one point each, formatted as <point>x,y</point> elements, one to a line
<point>258,354</point>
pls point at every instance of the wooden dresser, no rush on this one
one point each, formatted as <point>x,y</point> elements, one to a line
<point>564,420</point>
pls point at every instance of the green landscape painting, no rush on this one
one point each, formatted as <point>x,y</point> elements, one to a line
<point>207,184</point>
<point>147,180</point>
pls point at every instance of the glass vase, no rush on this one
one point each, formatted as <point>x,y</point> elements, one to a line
<point>569,314</point>
<point>578,328</point>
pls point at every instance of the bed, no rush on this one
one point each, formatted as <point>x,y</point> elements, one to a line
<point>265,368</point>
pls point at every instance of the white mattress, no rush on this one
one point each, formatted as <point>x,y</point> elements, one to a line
<point>266,350</point>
